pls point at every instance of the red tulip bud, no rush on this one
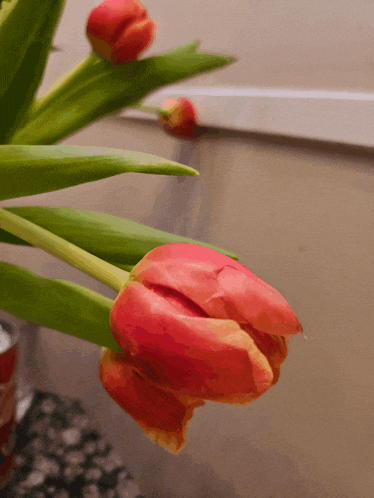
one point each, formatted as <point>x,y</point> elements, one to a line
<point>182,120</point>
<point>194,325</point>
<point>119,30</point>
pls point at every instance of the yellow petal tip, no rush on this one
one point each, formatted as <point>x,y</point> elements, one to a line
<point>170,442</point>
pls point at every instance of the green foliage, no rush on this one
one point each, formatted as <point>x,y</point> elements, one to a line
<point>121,242</point>
<point>94,89</point>
<point>25,60</point>
<point>99,88</point>
<point>28,170</point>
<point>19,95</point>
<point>56,304</point>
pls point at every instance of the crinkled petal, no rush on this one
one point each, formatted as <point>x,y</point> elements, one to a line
<point>195,356</point>
<point>220,286</point>
<point>251,302</point>
<point>136,38</point>
<point>272,346</point>
<point>161,415</point>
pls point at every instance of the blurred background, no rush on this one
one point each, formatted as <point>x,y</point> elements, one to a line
<point>297,212</point>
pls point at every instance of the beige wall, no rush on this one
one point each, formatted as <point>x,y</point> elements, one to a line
<point>299,217</point>
<point>289,43</point>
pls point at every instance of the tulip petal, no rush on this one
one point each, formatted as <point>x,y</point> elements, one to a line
<point>110,18</point>
<point>161,415</point>
<point>136,38</point>
<point>221,287</point>
<point>272,346</point>
<point>188,354</point>
<point>251,301</point>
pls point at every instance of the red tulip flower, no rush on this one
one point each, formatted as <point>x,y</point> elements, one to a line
<point>194,325</point>
<point>182,117</point>
<point>119,30</point>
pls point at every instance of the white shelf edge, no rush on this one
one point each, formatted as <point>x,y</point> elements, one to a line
<point>343,117</point>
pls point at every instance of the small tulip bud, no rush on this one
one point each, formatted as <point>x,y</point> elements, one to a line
<point>119,30</point>
<point>182,118</point>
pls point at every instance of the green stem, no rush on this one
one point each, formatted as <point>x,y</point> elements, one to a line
<point>154,109</point>
<point>53,244</point>
<point>65,83</point>
<point>72,78</point>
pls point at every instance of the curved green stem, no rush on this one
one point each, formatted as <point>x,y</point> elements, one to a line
<point>75,256</point>
<point>63,84</point>
<point>154,109</point>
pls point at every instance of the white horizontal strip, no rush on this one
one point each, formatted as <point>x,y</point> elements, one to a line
<point>346,117</point>
<point>261,92</point>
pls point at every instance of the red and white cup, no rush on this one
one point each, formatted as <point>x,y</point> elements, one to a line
<point>9,338</point>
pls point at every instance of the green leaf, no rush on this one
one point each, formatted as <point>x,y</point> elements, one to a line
<point>20,26</point>
<point>21,90</point>
<point>98,88</point>
<point>121,242</point>
<point>28,170</point>
<point>56,304</point>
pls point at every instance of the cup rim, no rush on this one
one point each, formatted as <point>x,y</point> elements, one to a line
<point>13,330</point>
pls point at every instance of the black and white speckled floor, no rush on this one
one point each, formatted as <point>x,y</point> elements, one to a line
<point>61,454</point>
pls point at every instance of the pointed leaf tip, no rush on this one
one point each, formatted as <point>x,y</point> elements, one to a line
<point>31,169</point>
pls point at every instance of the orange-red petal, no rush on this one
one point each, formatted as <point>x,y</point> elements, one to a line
<point>220,286</point>
<point>196,356</point>
<point>162,416</point>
